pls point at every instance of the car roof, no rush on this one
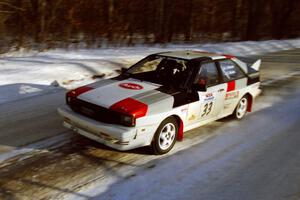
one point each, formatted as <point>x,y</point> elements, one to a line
<point>203,56</point>
<point>189,55</point>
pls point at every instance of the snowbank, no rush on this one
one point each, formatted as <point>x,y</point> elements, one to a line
<point>24,74</point>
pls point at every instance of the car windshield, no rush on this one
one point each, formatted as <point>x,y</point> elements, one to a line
<point>161,70</point>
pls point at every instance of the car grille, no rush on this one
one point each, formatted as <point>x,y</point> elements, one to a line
<point>95,112</point>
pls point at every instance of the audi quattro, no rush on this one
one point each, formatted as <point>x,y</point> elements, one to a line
<point>160,97</point>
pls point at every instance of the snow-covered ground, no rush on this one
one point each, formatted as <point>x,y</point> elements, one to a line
<point>217,162</point>
<point>25,74</point>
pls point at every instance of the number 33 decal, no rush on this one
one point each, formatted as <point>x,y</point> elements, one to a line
<point>207,109</point>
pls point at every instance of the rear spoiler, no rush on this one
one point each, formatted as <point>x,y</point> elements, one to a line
<point>253,64</point>
<point>256,65</point>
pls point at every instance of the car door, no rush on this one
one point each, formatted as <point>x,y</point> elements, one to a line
<point>211,100</point>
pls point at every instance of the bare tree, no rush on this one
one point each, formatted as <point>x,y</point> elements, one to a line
<point>50,23</point>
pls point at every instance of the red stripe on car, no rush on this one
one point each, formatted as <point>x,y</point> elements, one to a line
<point>79,91</point>
<point>131,107</point>
<point>180,131</point>
<point>228,56</point>
<point>230,86</point>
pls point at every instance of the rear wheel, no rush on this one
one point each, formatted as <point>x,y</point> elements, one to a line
<point>165,136</point>
<point>241,108</point>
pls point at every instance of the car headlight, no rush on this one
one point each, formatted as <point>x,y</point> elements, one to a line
<point>127,120</point>
<point>130,110</point>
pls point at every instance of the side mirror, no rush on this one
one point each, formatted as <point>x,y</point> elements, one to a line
<point>200,86</point>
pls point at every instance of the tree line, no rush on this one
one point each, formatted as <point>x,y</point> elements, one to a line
<point>41,24</point>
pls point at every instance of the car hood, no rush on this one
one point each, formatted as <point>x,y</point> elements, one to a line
<point>109,92</point>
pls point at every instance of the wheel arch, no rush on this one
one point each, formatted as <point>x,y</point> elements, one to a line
<point>250,101</point>
<point>180,126</point>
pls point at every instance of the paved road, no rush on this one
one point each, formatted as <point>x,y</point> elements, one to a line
<point>254,159</point>
<point>30,119</point>
<point>257,158</point>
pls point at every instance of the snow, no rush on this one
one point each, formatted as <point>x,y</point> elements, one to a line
<point>25,74</point>
<point>37,147</point>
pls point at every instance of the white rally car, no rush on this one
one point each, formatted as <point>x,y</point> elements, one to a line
<point>160,97</point>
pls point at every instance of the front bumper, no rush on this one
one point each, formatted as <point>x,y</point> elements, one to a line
<point>115,136</point>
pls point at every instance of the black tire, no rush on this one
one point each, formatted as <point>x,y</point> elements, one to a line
<point>164,140</point>
<point>241,108</point>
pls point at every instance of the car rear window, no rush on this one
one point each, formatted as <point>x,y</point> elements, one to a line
<point>230,71</point>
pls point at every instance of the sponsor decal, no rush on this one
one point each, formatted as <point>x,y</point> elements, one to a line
<point>228,70</point>
<point>131,86</point>
<point>232,95</point>
<point>209,97</point>
<point>192,118</point>
<point>207,109</point>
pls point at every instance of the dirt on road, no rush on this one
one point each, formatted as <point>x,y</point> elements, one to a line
<point>76,163</point>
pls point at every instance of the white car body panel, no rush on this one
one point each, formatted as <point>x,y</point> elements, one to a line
<point>103,95</point>
<point>216,102</point>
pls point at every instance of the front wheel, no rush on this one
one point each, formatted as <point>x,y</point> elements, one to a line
<point>165,136</point>
<point>241,108</point>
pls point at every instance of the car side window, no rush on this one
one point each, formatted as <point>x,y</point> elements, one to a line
<point>230,71</point>
<point>208,74</point>
<point>147,65</point>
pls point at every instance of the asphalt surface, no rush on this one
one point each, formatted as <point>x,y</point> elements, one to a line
<point>256,158</point>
